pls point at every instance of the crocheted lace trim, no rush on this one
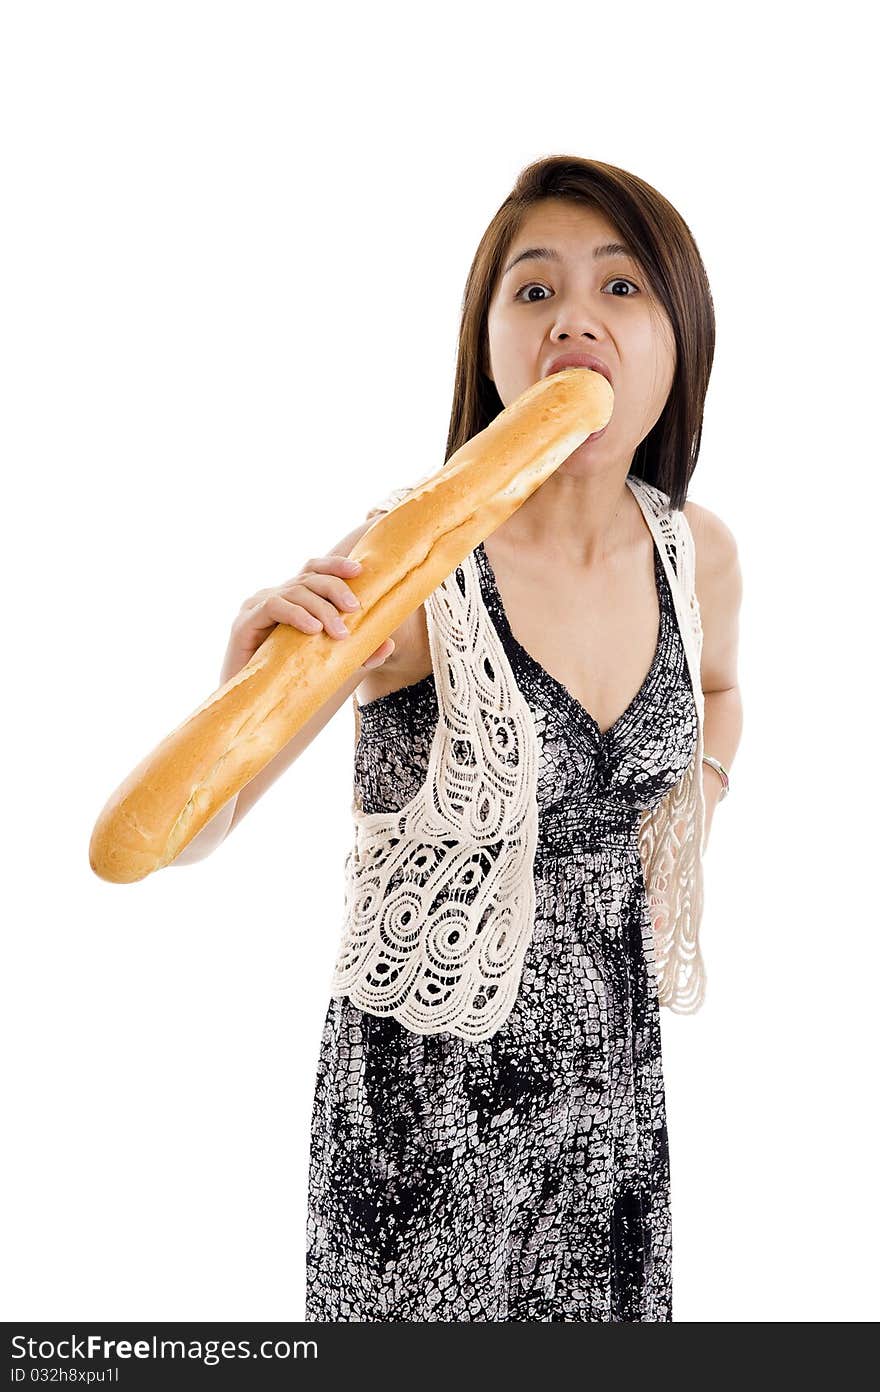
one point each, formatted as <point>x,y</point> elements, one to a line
<point>440,896</point>
<point>672,834</point>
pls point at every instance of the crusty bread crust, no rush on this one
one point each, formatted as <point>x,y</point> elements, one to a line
<point>405,556</point>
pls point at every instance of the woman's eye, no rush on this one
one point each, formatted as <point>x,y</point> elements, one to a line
<point>536,285</point>
<point>532,285</point>
<point>621,280</point>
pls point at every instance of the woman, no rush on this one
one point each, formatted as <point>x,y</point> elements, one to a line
<point>525,1176</point>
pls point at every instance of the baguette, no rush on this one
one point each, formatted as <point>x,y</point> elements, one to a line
<point>407,553</point>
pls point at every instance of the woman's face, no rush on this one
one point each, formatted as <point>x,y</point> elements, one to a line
<point>602,305</point>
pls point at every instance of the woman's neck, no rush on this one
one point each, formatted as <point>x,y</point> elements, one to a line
<point>584,520</point>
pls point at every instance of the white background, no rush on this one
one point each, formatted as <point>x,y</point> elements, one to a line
<point>235,241</point>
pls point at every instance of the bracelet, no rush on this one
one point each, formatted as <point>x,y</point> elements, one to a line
<point>722,773</point>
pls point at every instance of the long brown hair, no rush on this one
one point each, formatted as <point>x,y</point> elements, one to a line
<point>667,255</point>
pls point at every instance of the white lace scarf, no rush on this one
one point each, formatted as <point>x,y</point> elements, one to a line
<point>440,896</point>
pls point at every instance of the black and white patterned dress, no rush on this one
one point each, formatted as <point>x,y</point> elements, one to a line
<point>524,1176</point>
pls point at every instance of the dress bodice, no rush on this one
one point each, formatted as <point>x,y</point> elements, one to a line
<point>589,781</point>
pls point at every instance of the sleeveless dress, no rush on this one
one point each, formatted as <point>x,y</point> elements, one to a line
<point>524,1176</point>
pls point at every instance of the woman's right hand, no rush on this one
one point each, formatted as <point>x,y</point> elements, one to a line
<point>309,601</point>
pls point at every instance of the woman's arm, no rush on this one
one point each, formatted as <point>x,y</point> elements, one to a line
<point>719,592</point>
<point>220,825</point>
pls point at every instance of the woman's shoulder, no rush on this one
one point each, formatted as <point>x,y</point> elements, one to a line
<point>714,542</point>
<point>719,587</point>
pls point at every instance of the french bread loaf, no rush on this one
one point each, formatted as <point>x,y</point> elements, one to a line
<point>407,553</point>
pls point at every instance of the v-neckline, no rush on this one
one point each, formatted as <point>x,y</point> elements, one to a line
<point>606,735</point>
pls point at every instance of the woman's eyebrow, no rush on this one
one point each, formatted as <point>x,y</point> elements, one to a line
<point>549,254</point>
